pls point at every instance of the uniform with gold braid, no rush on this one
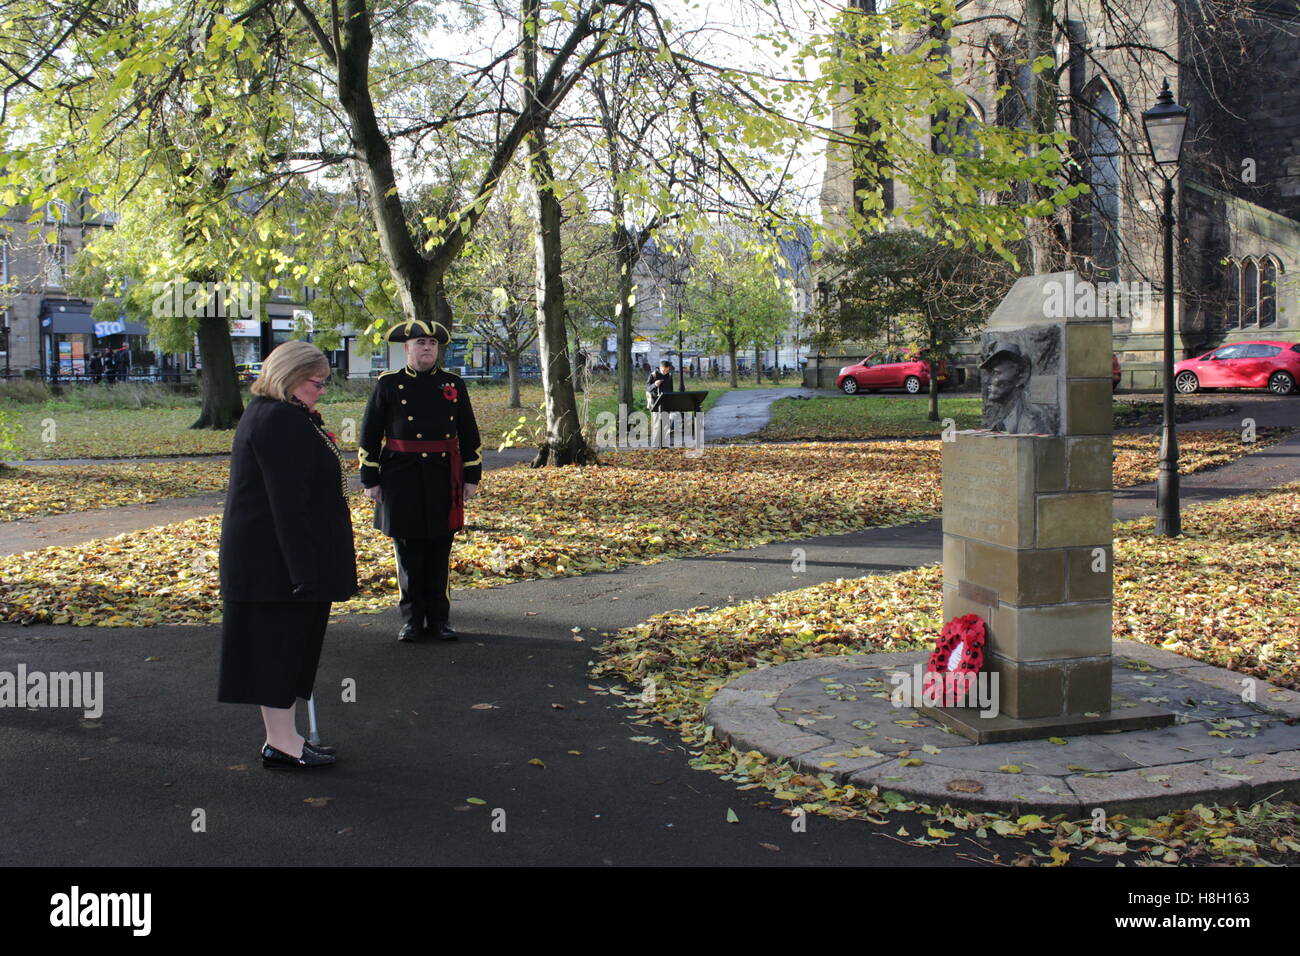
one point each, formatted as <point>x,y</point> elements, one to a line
<point>420,445</point>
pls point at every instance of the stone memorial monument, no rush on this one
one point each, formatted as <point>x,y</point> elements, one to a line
<point>1027,523</point>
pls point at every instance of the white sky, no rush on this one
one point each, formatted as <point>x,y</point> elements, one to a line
<point>728,31</point>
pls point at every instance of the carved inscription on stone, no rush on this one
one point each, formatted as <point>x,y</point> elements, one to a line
<point>981,485</point>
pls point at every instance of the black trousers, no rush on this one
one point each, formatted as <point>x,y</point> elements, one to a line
<point>423,569</point>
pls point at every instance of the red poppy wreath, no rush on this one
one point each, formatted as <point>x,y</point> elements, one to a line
<point>959,655</point>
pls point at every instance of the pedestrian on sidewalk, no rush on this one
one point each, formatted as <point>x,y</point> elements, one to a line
<point>286,551</point>
<point>421,460</point>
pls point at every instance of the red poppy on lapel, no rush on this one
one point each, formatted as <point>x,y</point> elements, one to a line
<point>449,392</point>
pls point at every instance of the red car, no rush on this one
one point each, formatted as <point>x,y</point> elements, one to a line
<point>889,370</point>
<point>1271,365</point>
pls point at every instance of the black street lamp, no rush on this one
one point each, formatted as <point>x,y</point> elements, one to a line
<point>679,288</point>
<point>1165,124</point>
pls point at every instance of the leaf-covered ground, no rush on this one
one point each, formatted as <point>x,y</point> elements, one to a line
<point>1223,593</point>
<point>526,523</point>
<point>1138,455</point>
<point>35,490</point>
<point>31,491</point>
<point>634,508</point>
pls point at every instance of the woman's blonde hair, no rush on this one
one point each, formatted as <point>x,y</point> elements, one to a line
<point>288,366</point>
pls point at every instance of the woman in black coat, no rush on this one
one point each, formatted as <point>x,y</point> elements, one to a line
<point>286,550</point>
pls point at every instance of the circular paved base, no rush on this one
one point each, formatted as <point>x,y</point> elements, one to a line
<point>834,715</point>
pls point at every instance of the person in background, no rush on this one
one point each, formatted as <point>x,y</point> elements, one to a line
<point>658,385</point>
<point>286,551</point>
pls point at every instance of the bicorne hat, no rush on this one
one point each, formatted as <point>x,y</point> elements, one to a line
<point>415,328</point>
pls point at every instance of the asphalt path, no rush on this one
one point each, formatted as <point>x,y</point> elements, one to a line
<point>123,789</point>
<point>414,747</point>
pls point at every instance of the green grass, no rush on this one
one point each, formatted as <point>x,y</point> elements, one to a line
<point>869,416</point>
<point>865,416</point>
<point>67,428</point>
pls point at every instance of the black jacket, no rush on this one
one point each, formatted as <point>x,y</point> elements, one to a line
<point>287,533</point>
<point>658,385</point>
<point>417,406</point>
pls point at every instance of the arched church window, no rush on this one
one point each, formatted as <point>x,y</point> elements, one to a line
<point>1104,179</point>
<point>1232,309</point>
<point>1268,292</point>
<point>1249,294</point>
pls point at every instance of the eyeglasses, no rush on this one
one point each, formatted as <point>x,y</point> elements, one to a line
<point>322,384</point>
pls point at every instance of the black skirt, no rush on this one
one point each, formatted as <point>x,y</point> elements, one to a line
<point>269,651</point>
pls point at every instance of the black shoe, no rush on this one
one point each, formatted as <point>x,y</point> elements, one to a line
<point>273,759</point>
<point>410,632</point>
<point>318,748</point>
<point>443,630</point>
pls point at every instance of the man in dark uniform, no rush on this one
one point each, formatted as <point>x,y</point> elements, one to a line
<point>421,460</point>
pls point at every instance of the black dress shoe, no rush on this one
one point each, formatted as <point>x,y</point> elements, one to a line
<point>318,748</point>
<point>410,632</point>
<point>273,759</point>
<point>443,630</point>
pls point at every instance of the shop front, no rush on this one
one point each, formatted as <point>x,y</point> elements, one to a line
<point>76,347</point>
<point>246,341</point>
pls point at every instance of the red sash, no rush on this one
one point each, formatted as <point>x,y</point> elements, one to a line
<point>456,516</point>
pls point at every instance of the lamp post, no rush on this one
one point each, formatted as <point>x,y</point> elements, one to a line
<point>825,293</point>
<point>1165,124</point>
<point>679,290</point>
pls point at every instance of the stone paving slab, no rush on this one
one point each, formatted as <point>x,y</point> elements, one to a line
<point>1194,693</point>
<point>979,790</point>
<point>1153,791</point>
<point>1085,755</point>
<point>834,715</point>
<point>1187,742</point>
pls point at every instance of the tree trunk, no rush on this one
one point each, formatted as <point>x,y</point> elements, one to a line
<point>419,281</point>
<point>625,256</point>
<point>512,368</point>
<point>758,366</point>
<point>934,374</point>
<point>579,367</point>
<point>565,444</point>
<point>222,404</point>
<point>731,352</point>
